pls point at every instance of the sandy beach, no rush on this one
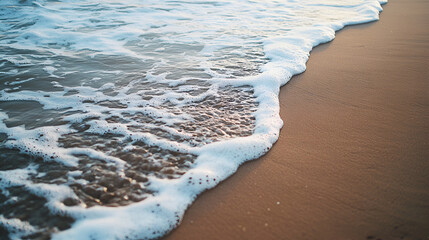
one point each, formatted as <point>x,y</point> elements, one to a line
<point>352,160</point>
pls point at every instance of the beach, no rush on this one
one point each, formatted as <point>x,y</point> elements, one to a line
<point>351,161</point>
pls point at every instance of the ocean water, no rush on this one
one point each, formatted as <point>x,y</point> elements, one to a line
<point>115,115</point>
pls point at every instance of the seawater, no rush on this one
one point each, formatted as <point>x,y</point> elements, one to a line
<point>115,115</point>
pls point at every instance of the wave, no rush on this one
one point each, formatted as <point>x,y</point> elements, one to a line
<point>115,116</point>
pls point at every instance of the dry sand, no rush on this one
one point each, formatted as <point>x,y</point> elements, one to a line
<point>352,161</point>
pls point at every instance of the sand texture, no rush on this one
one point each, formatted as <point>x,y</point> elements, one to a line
<point>352,160</point>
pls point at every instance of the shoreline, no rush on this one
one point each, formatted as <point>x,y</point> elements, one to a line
<point>351,159</point>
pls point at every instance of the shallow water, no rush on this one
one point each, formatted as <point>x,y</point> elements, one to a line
<point>115,115</point>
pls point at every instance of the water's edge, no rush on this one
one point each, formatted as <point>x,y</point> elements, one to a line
<point>369,20</point>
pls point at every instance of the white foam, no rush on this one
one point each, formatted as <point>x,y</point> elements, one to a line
<point>16,227</point>
<point>287,41</point>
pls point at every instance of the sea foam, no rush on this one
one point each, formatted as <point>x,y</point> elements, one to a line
<point>115,116</point>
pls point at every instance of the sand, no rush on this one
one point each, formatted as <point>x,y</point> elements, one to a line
<point>352,160</point>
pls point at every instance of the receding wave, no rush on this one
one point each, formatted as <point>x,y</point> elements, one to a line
<point>115,115</point>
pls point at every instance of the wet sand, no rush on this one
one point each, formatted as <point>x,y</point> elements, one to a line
<point>352,160</point>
